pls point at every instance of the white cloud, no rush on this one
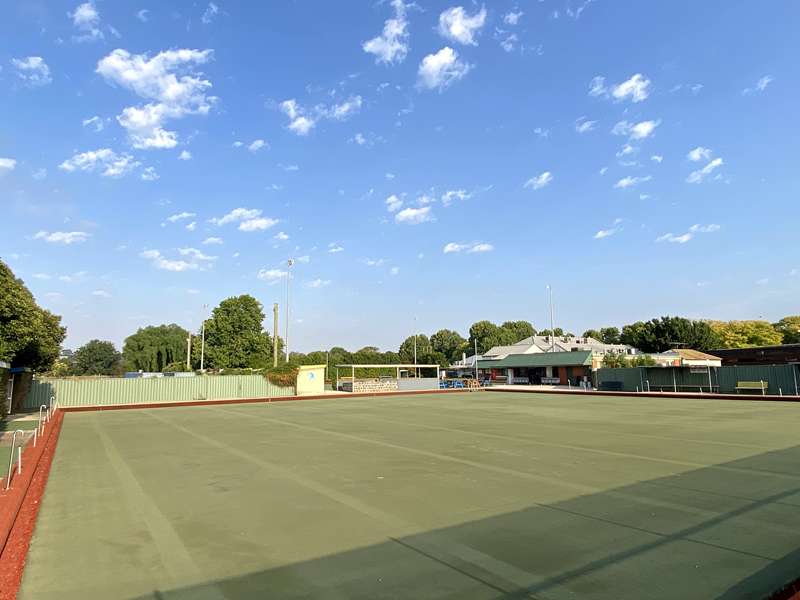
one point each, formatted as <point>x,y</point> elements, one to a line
<point>636,131</point>
<point>761,85</point>
<point>657,158</point>
<point>191,226</point>
<point>541,132</point>
<point>38,174</point>
<point>603,171</point>
<point>392,45</point>
<point>674,239</point>
<point>259,224</point>
<point>451,196</point>
<point>699,154</point>
<point>762,281</point>
<point>414,216</point>
<point>346,109</point>
<point>456,25</point>
<point>478,247</point>
<point>271,276</point>
<point>209,13</point>
<point>597,86</point>
<point>161,262</point>
<point>86,19</point>
<point>583,125</point>
<point>540,181</point>
<point>711,228</point>
<point>42,276</point>
<point>212,240</point>
<point>626,150</point>
<point>334,248</point>
<point>106,160</point>
<point>96,123</point>
<point>374,262</point>
<point>509,42</point>
<point>699,175</point>
<point>62,237</point>
<point>142,15</point>
<point>101,294</point>
<point>157,79</point>
<point>256,145</point>
<point>637,88</point>
<point>604,233</point>
<point>512,18</point>
<point>281,236</point>
<point>630,181</point>
<point>7,165</point>
<point>236,215</point>
<point>298,123</point>
<point>393,203</point>
<point>359,139</point>
<point>683,238</point>
<point>318,283</point>
<point>304,259</point>
<point>438,71</point>
<point>185,155</point>
<point>32,70</point>
<point>180,216</point>
<point>149,174</point>
<point>196,255</point>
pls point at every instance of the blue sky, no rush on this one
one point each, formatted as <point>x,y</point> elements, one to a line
<point>434,160</point>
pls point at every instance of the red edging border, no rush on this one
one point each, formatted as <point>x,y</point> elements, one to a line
<point>673,395</point>
<point>19,507</point>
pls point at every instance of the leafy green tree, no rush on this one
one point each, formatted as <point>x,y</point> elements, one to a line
<point>517,330</point>
<point>558,332</point>
<point>658,335</point>
<point>789,328</point>
<point>235,337</point>
<point>746,334</point>
<point>152,348</point>
<point>29,335</point>
<point>592,333</point>
<point>609,335</point>
<point>97,357</point>
<point>449,344</point>
<point>424,353</point>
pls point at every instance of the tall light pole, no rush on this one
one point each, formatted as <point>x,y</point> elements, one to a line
<point>189,352</point>
<point>289,264</point>
<point>552,327</point>
<point>203,342</point>
<point>275,334</point>
<point>476,359</point>
<point>415,346</point>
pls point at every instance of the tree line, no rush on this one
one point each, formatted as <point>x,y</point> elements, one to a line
<point>31,336</point>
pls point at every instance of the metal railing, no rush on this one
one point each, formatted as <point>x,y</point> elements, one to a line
<point>11,457</point>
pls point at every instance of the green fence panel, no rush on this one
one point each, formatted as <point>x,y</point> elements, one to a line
<point>156,390</point>
<point>782,379</point>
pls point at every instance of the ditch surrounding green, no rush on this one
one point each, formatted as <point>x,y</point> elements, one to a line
<point>475,495</point>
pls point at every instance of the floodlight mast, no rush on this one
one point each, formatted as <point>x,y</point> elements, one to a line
<point>289,264</point>
<point>203,342</point>
<point>552,327</point>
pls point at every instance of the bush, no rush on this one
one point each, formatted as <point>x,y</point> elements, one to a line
<point>284,376</point>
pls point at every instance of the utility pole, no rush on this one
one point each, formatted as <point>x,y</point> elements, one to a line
<point>275,334</point>
<point>552,327</point>
<point>203,343</point>
<point>189,352</point>
<point>289,264</point>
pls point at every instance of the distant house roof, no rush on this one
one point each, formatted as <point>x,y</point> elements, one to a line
<point>581,358</point>
<point>568,343</point>
<point>688,354</point>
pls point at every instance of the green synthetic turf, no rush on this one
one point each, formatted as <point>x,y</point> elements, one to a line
<point>474,495</point>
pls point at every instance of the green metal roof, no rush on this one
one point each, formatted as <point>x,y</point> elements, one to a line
<point>581,358</point>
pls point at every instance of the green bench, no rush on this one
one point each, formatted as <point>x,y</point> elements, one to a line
<point>762,386</point>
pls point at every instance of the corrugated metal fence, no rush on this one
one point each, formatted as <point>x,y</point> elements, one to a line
<point>781,379</point>
<point>106,392</point>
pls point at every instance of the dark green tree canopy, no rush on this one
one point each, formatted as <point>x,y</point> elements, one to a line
<point>235,337</point>
<point>659,335</point>
<point>518,330</point>
<point>449,344</point>
<point>789,328</point>
<point>97,357</point>
<point>29,335</point>
<point>153,348</point>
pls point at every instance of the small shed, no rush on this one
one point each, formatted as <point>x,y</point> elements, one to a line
<point>311,380</point>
